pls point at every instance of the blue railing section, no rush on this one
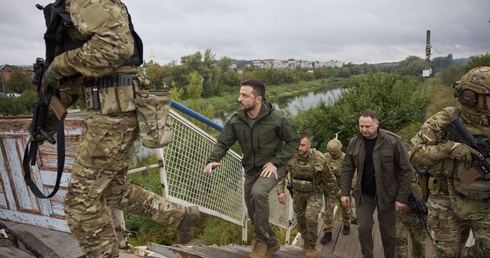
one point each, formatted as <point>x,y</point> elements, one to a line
<point>176,105</point>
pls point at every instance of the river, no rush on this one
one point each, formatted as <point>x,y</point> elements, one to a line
<point>292,105</point>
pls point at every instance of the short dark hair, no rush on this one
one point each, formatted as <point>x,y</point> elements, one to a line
<point>368,113</point>
<point>304,135</point>
<point>257,85</point>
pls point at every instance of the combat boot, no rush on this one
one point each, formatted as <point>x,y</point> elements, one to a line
<point>310,251</point>
<point>326,238</point>
<point>259,250</point>
<point>346,230</point>
<point>185,227</point>
<point>272,249</point>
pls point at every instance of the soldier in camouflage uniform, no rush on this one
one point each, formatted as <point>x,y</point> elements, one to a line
<point>101,161</point>
<point>334,157</point>
<point>310,178</point>
<point>457,200</point>
<point>407,223</point>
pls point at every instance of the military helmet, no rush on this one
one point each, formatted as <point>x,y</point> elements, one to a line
<point>334,145</point>
<point>472,88</point>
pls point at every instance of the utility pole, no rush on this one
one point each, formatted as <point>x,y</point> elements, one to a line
<point>427,71</point>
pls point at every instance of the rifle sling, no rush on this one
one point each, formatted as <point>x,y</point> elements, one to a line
<point>31,156</point>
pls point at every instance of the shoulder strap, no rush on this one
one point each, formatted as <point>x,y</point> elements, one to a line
<point>30,159</point>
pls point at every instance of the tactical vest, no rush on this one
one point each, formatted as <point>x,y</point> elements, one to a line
<point>305,174</point>
<point>58,41</point>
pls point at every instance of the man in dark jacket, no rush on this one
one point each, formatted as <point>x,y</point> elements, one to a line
<point>384,176</point>
<point>267,141</point>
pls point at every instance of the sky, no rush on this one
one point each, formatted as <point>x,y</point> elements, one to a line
<point>352,31</point>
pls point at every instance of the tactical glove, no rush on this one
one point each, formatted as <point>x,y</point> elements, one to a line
<point>460,151</point>
<point>51,77</point>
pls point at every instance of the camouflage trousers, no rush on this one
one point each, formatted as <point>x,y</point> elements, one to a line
<point>447,229</point>
<point>328,216</point>
<point>407,223</point>
<point>476,213</point>
<point>307,208</point>
<point>99,180</point>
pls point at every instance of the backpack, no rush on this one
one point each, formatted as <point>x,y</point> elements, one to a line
<point>57,39</point>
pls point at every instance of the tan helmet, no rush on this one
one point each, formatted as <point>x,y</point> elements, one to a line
<point>474,83</point>
<point>473,92</point>
<point>334,145</point>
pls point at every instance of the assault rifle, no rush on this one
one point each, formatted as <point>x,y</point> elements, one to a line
<point>45,102</point>
<point>420,209</point>
<point>479,142</point>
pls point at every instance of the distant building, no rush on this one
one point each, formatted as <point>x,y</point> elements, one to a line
<point>293,64</point>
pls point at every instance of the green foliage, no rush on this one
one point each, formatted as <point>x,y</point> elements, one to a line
<point>451,74</point>
<point>19,82</point>
<point>476,61</point>
<point>23,105</point>
<point>221,232</point>
<point>398,101</point>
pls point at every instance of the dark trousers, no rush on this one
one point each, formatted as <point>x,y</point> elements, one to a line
<point>256,194</point>
<point>387,223</point>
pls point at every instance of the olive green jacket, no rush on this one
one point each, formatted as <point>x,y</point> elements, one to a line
<point>271,139</point>
<point>391,165</point>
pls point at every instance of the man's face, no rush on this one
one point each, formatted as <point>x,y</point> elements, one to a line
<point>368,127</point>
<point>247,99</point>
<point>304,147</point>
<point>334,153</point>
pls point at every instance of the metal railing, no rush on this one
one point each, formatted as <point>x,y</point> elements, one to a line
<point>181,169</point>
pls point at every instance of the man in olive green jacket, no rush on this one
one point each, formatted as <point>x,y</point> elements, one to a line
<point>268,141</point>
<point>384,177</point>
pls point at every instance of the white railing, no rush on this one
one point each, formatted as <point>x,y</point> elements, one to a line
<point>181,168</point>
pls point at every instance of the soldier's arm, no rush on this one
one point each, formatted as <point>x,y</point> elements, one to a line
<point>427,143</point>
<point>109,45</point>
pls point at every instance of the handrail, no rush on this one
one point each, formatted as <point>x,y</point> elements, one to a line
<point>176,105</point>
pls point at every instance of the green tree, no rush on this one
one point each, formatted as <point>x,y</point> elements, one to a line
<point>194,89</point>
<point>155,74</point>
<point>19,82</point>
<point>476,61</point>
<point>451,74</point>
<point>398,101</point>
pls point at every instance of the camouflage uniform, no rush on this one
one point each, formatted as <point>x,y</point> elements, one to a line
<point>453,205</point>
<point>310,178</point>
<point>408,223</point>
<point>102,157</point>
<point>335,164</point>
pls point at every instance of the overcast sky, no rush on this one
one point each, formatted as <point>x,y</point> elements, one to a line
<point>357,31</point>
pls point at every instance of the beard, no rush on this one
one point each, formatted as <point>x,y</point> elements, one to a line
<point>246,108</point>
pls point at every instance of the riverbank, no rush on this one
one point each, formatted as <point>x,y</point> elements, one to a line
<point>274,93</point>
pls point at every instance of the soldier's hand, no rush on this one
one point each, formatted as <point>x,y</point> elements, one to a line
<point>460,151</point>
<point>51,77</point>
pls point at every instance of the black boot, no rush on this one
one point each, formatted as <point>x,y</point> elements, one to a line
<point>326,238</point>
<point>346,230</point>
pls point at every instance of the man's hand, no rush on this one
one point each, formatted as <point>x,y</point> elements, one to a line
<point>331,205</point>
<point>400,206</point>
<point>345,201</point>
<point>268,169</point>
<point>51,77</point>
<point>460,151</point>
<point>282,198</point>
<point>209,168</point>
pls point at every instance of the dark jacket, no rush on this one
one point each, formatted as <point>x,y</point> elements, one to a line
<point>391,165</point>
<point>271,139</point>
